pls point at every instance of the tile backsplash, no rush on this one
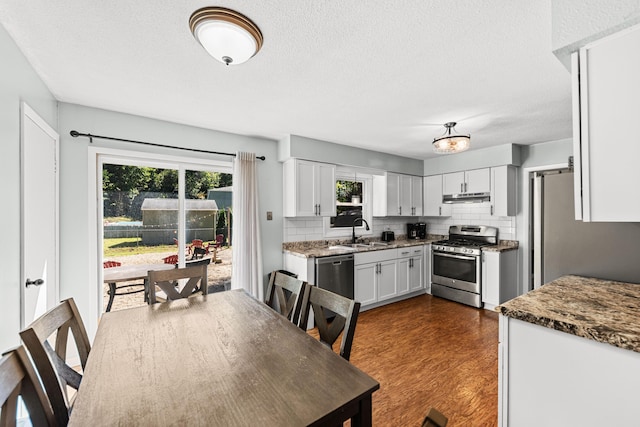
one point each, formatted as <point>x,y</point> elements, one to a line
<point>300,229</point>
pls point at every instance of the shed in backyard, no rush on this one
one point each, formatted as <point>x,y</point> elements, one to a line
<point>160,220</point>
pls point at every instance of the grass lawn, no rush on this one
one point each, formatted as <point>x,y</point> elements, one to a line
<point>131,246</point>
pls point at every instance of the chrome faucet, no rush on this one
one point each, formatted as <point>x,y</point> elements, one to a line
<point>353,228</point>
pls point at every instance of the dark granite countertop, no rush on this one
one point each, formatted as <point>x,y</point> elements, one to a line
<point>320,248</point>
<point>599,310</point>
<point>502,246</point>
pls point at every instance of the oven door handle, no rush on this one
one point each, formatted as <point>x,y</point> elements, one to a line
<point>465,257</point>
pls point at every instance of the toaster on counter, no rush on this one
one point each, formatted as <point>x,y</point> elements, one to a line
<point>388,236</point>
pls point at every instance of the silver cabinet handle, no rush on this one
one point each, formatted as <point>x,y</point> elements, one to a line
<point>491,209</point>
<point>399,210</point>
<point>37,282</point>
<point>439,210</point>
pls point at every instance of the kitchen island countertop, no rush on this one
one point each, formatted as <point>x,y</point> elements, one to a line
<point>600,310</point>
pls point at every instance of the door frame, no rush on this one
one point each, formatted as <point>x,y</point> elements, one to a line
<point>527,212</point>
<point>95,158</point>
<point>53,292</point>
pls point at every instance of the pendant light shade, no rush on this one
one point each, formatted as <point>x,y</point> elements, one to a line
<point>227,35</point>
<point>451,143</point>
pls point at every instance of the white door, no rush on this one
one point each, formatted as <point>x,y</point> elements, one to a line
<point>39,227</point>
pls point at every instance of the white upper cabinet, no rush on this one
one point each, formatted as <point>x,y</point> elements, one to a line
<point>309,188</point>
<point>433,205</point>
<point>397,195</point>
<point>606,105</point>
<point>503,191</point>
<point>472,181</point>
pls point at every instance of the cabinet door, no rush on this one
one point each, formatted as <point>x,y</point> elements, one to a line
<point>491,278</point>
<point>404,275</point>
<point>305,188</point>
<point>416,273</point>
<point>609,105</point>
<point>416,195</point>
<point>503,191</point>
<point>478,181</point>
<point>404,192</point>
<point>453,183</point>
<point>427,268</point>
<point>387,280</point>
<point>393,194</point>
<point>326,189</point>
<point>365,283</point>
<point>433,205</point>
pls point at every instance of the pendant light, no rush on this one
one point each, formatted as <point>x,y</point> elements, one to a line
<point>228,36</point>
<point>451,143</point>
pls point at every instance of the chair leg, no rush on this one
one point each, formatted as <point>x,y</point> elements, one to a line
<point>112,293</point>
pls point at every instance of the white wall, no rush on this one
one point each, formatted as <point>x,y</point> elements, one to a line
<point>19,83</point>
<point>75,216</point>
<point>473,214</point>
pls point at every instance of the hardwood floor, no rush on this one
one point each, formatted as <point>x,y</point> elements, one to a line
<point>429,352</point>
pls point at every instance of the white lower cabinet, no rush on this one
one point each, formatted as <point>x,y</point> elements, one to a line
<point>499,277</point>
<point>387,274</point>
<point>387,279</point>
<point>410,269</point>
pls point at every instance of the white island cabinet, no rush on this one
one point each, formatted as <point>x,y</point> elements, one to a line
<point>606,105</point>
<point>309,188</point>
<point>568,355</point>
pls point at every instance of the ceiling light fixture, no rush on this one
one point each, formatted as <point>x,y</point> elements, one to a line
<point>449,143</point>
<point>228,36</point>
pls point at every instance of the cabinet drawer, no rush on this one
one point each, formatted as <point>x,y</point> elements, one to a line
<point>375,256</point>
<point>410,251</point>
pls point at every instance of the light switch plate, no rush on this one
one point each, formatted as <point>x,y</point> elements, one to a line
<point>269,216</point>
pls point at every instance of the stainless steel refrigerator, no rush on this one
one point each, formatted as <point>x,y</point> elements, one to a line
<point>564,246</point>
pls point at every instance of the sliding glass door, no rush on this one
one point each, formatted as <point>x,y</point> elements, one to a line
<point>158,213</point>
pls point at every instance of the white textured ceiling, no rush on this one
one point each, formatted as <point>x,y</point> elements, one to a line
<point>383,75</point>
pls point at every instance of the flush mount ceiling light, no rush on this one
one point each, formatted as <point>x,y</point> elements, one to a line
<point>451,143</point>
<point>228,36</point>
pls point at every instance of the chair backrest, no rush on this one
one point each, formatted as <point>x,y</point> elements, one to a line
<point>171,259</point>
<point>109,264</point>
<point>288,305</point>
<point>51,364</point>
<point>219,240</point>
<point>167,281</point>
<point>18,378</point>
<point>435,419</point>
<point>346,315</point>
<point>196,243</point>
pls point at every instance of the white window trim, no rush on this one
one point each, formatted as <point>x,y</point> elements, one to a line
<point>367,206</point>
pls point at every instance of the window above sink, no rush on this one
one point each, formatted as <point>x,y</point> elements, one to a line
<point>353,200</point>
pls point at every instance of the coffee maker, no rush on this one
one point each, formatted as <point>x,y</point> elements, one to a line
<point>417,230</point>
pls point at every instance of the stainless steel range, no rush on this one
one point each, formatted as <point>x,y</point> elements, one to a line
<point>456,263</point>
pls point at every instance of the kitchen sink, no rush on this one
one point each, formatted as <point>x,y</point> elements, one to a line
<point>353,246</point>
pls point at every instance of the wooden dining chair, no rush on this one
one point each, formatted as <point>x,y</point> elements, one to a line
<point>53,369</point>
<point>18,378</point>
<point>177,283</point>
<point>346,315</point>
<point>284,294</point>
<point>435,419</point>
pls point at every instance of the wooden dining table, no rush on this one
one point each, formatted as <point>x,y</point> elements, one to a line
<point>223,359</point>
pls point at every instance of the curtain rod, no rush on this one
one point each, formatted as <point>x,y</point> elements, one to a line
<point>76,134</point>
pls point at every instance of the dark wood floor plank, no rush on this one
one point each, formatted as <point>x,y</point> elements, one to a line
<point>429,352</point>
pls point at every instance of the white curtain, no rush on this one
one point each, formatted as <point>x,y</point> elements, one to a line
<point>247,253</point>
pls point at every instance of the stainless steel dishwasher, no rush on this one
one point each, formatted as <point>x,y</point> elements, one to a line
<point>335,273</point>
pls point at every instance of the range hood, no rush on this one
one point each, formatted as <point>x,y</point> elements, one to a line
<point>466,198</point>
